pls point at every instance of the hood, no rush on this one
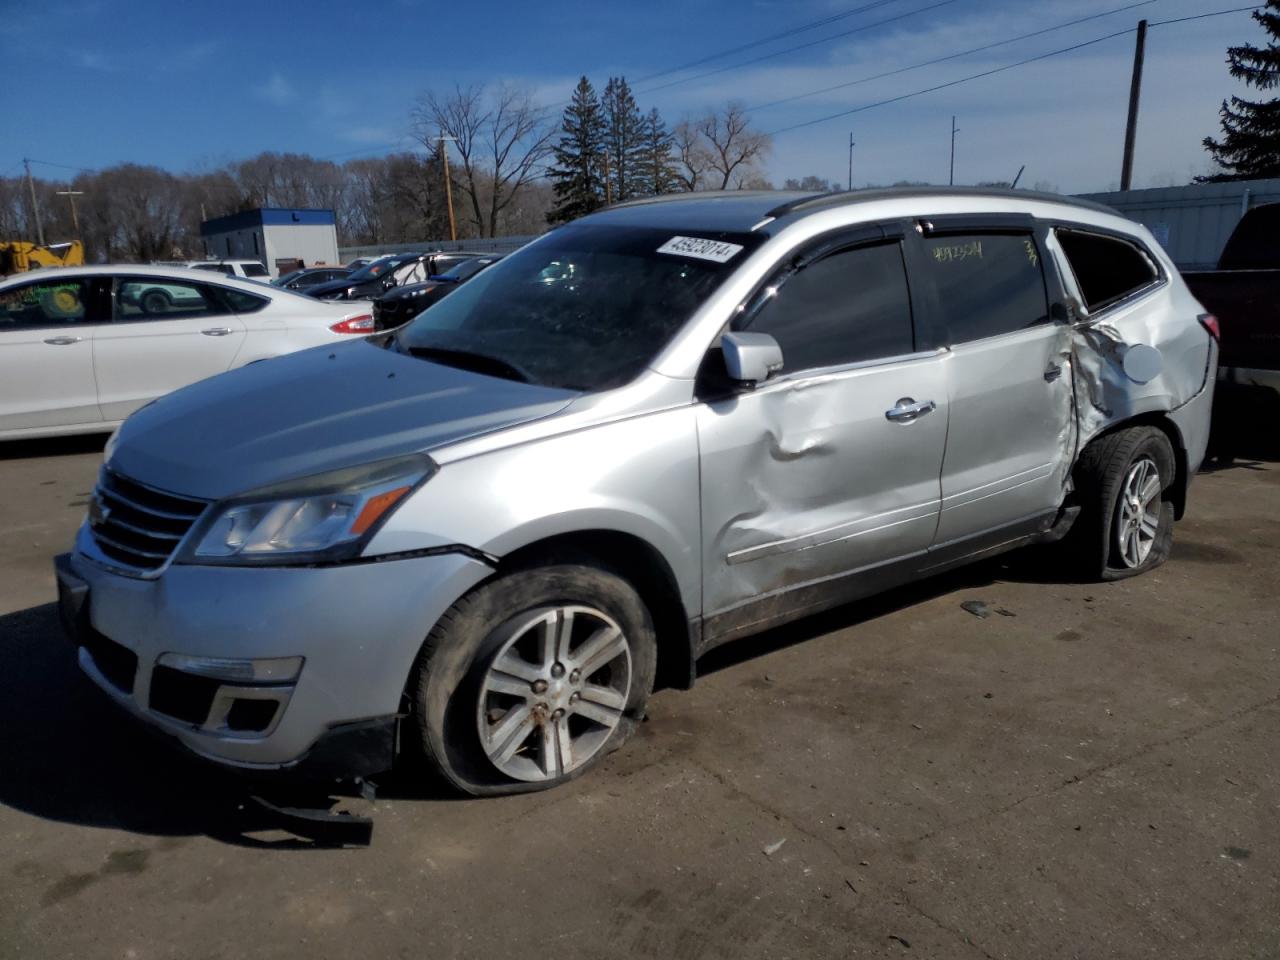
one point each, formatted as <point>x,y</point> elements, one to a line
<point>314,411</point>
<point>409,290</point>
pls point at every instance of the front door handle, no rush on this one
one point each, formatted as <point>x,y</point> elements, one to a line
<point>62,341</point>
<point>1052,373</point>
<point>907,410</point>
<point>216,331</point>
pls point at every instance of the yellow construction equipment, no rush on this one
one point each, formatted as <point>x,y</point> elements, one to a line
<point>19,255</point>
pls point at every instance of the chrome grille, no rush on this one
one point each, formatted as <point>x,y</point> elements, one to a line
<point>135,526</point>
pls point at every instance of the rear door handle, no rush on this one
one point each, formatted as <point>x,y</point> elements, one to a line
<point>62,341</point>
<point>907,410</point>
<point>216,331</point>
<point>1052,373</point>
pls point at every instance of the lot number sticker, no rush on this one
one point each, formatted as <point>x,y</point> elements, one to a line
<point>713,250</point>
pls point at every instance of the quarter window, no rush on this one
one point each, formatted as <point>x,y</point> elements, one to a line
<point>849,306</point>
<point>160,298</point>
<point>51,303</point>
<point>1107,269</point>
<point>988,284</point>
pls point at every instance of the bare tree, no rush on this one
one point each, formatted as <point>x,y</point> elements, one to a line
<point>501,138</point>
<point>693,159</point>
<point>731,142</point>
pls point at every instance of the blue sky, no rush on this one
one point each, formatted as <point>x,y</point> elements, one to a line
<point>191,86</point>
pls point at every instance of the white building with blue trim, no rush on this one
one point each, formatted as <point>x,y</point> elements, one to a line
<point>277,237</point>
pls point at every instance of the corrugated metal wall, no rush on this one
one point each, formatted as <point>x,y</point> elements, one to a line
<point>1192,222</point>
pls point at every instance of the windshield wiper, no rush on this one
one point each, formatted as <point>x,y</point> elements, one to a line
<point>471,360</point>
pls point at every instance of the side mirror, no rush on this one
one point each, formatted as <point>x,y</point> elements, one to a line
<point>751,358</point>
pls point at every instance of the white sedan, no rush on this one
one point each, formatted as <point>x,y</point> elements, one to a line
<point>81,348</point>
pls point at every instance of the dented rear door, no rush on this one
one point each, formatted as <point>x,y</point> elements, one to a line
<point>824,470</point>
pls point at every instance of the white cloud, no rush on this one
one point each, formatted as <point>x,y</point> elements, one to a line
<point>276,90</point>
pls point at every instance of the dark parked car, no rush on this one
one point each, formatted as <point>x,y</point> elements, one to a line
<point>402,304</point>
<point>303,280</point>
<point>1244,294</point>
<point>393,270</point>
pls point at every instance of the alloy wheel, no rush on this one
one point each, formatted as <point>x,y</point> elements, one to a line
<point>555,691</point>
<point>1139,519</point>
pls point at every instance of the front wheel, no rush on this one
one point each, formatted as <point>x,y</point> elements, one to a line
<point>530,679</point>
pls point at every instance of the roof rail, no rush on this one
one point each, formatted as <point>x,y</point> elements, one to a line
<point>843,197</point>
<point>689,195</point>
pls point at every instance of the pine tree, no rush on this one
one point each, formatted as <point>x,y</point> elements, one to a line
<point>659,170</point>
<point>577,174</point>
<point>1250,145</point>
<point>624,140</point>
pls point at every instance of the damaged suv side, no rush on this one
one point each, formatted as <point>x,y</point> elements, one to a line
<point>676,422</point>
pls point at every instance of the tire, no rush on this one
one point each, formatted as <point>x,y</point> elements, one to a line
<point>487,731</point>
<point>1123,531</point>
<point>156,301</point>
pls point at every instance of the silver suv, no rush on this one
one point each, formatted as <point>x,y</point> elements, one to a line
<point>486,535</point>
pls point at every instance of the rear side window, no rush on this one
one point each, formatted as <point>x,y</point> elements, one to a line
<point>850,306</point>
<point>1107,269</point>
<point>162,298</point>
<point>255,270</point>
<point>988,284</point>
<point>237,301</point>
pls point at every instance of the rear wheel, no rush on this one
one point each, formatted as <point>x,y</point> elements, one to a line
<point>531,678</point>
<point>1126,521</point>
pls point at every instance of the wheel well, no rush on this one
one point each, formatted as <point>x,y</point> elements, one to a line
<point>1178,491</point>
<point>645,569</point>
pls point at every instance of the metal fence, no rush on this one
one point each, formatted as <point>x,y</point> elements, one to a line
<point>476,245</point>
<point>1193,222</point>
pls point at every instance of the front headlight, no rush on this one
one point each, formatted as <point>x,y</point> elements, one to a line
<point>324,518</point>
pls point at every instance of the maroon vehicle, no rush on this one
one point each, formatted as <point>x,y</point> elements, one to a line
<point>1244,294</point>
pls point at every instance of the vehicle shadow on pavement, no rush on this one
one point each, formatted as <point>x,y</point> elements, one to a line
<point>53,446</point>
<point>68,754</point>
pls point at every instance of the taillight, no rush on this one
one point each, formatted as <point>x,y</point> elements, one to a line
<point>361,324</point>
<point>1210,323</point>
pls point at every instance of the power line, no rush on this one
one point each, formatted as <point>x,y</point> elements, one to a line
<point>811,25</point>
<point>1205,16</point>
<point>802,46</point>
<point>951,83</point>
<point>64,166</point>
<point>953,56</point>
<point>995,70</point>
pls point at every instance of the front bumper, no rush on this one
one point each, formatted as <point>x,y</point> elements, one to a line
<point>358,628</point>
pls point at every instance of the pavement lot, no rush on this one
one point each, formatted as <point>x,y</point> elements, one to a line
<point>1093,777</point>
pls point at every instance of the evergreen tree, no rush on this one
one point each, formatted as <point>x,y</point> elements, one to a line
<point>624,141</point>
<point>659,169</point>
<point>577,174</point>
<point>1250,144</point>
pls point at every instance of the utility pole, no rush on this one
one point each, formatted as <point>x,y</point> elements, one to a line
<point>35,207</point>
<point>448,186</point>
<point>75,221</point>
<point>954,131</point>
<point>851,160</point>
<point>1135,92</point>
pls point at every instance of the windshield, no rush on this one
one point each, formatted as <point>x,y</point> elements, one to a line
<point>585,308</point>
<point>379,267</point>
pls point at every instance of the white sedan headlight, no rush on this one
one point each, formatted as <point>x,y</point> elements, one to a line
<point>324,518</point>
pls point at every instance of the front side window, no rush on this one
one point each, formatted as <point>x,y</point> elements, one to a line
<point>1107,270</point>
<point>850,306</point>
<point>585,308</point>
<point>987,283</point>
<point>49,303</point>
<point>161,298</point>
